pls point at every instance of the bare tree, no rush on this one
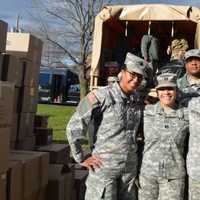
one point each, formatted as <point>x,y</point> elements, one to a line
<point>68,25</point>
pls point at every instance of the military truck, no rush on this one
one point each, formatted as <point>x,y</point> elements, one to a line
<point>119,29</point>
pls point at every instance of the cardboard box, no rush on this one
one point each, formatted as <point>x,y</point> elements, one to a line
<point>3,34</point>
<point>44,136</point>
<point>14,128</point>
<point>1,66</point>
<point>15,180</point>
<point>60,183</point>
<point>12,70</point>
<point>31,170</point>
<point>25,46</point>
<point>28,143</point>
<point>31,78</point>
<point>41,121</point>
<point>26,121</point>
<point>38,195</point>
<point>80,178</point>
<point>30,100</point>
<point>43,165</point>
<point>3,183</point>
<point>44,168</point>
<point>6,103</point>
<point>4,148</point>
<point>17,100</point>
<point>59,153</point>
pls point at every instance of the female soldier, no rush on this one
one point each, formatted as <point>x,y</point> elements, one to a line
<point>162,170</point>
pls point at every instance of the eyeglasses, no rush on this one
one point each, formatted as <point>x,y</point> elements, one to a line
<point>134,75</point>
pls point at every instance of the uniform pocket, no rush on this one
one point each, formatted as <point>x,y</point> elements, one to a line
<point>95,187</point>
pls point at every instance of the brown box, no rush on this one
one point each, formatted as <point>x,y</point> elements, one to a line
<point>13,134</point>
<point>31,77</point>
<point>41,121</point>
<point>38,195</point>
<point>6,103</point>
<point>44,136</point>
<point>44,168</point>
<point>3,183</point>
<point>1,66</point>
<point>31,170</point>
<point>4,148</point>
<point>60,183</point>
<point>12,70</point>
<point>30,100</point>
<point>43,165</point>
<point>80,178</point>
<point>24,45</point>
<point>28,143</point>
<point>3,34</point>
<point>26,122</point>
<point>15,180</point>
<point>59,153</point>
<point>17,100</point>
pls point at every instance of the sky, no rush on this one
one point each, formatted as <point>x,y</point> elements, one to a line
<point>9,9</point>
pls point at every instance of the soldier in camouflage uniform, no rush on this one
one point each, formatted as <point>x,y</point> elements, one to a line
<point>177,48</point>
<point>150,51</point>
<point>189,84</point>
<point>162,172</point>
<point>115,113</point>
<point>193,156</point>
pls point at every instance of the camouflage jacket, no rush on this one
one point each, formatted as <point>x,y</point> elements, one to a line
<point>165,135</point>
<point>187,91</point>
<point>193,156</point>
<point>115,118</point>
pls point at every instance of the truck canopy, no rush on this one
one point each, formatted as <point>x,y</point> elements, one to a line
<point>114,21</point>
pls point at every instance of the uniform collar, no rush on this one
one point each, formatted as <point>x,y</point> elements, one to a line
<point>119,94</point>
<point>192,81</point>
<point>160,110</point>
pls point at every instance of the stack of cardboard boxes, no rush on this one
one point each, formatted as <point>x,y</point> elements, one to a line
<point>27,169</point>
<point>23,174</point>
<point>6,102</point>
<point>27,50</point>
<point>66,179</point>
<point>61,176</point>
<point>28,175</point>
<point>43,134</point>
<point>46,172</point>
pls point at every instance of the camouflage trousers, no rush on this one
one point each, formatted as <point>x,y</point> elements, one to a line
<point>161,189</point>
<point>194,189</point>
<point>111,184</point>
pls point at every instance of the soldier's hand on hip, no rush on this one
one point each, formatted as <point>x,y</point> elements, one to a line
<point>92,163</point>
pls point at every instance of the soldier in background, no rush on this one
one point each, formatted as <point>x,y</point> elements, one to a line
<point>189,84</point>
<point>193,156</point>
<point>150,50</point>
<point>177,48</point>
<point>162,173</point>
<point>115,113</point>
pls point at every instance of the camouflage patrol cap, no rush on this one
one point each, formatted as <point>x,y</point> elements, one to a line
<point>166,80</point>
<point>134,64</point>
<point>192,53</point>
